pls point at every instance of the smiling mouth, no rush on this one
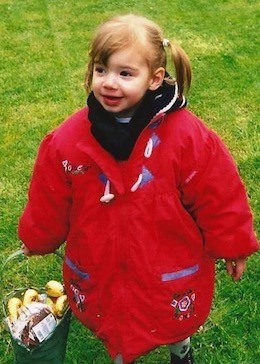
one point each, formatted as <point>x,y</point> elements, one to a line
<point>111,100</point>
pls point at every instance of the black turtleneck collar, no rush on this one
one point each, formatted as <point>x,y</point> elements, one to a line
<point>119,138</point>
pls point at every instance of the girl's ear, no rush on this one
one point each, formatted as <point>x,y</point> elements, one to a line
<point>157,79</point>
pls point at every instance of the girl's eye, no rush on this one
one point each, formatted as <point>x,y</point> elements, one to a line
<point>99,69</point>
<point>125,74</point>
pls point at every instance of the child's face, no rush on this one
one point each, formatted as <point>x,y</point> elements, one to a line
<point>121,84</point>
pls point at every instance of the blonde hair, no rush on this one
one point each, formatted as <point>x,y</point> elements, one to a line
<point>146,37</point>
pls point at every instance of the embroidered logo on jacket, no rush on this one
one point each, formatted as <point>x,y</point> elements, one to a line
<point>79,298</point>
<point>74,169</point>
<point>183,304</point>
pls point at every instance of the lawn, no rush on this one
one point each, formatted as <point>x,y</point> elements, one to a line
<point>43,57</point>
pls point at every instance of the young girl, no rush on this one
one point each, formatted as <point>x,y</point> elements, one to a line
<point>145,196</point>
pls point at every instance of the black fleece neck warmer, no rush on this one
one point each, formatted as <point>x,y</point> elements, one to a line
<point>119,138</point>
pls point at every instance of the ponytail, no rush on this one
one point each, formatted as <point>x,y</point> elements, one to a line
<point>182,66</point>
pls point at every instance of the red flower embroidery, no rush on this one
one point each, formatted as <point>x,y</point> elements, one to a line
<point>183,304</point>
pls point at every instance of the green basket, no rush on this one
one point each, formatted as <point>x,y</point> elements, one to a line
<point>53,349</point>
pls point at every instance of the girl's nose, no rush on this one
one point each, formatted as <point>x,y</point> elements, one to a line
<point>110,81</point>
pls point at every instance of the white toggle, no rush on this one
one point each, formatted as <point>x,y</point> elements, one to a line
<point>137,183</point>
<point>107,197</point>
<point>149,148</point>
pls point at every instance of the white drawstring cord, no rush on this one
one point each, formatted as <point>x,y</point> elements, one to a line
<point>107,197</point>
<point>183,102</point>
<point>147,153</point>
<point>149,148</point>
<point>137,183</point>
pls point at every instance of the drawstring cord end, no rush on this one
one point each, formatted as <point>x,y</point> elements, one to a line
<point>108,196</point>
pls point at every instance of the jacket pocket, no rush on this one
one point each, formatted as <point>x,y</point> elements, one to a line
<point>82,292</point>
<point>176,294</point>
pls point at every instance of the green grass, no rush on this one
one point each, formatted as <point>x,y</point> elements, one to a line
<point>43,55</point>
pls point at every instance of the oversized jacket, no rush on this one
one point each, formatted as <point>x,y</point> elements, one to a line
<point>141,235</point>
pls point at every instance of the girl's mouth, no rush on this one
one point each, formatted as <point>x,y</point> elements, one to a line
<point>111,100</point>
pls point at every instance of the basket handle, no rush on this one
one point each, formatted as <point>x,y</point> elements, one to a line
<point>19,253</point>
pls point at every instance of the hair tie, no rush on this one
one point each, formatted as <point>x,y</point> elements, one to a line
<point>165,42</point>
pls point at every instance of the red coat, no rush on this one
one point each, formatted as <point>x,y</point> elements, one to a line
<point>139,269</point>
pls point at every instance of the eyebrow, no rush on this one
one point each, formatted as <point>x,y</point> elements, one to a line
<point>127,67</point>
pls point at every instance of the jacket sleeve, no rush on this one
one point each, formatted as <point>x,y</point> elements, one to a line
<point>44,223</point>
<point>214,194</point>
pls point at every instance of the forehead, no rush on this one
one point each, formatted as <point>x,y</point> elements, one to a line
<point>127,57</point>
<point>131,56</point>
